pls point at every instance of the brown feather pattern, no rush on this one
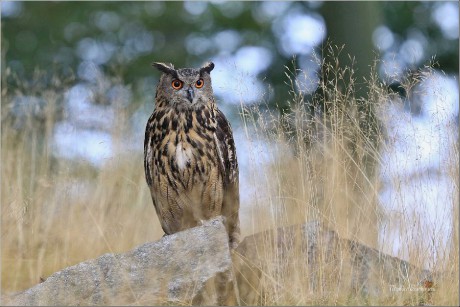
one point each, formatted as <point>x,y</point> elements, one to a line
<point>190,160</point>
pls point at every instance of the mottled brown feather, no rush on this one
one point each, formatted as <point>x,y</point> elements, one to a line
<point>190,158</point>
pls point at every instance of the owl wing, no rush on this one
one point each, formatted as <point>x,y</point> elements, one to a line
<point>148,154</point>
<point>226,150</point>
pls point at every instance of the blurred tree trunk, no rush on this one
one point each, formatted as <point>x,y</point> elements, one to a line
<point>351,24</point>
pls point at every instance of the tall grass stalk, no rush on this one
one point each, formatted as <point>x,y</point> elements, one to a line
<point>56,212</point>
<point>328,171</point>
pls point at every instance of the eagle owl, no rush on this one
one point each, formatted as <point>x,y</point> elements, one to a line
<point>189,153</point>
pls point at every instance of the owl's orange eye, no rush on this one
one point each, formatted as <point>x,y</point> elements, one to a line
<point>177,84</point>
<point>199,83</point>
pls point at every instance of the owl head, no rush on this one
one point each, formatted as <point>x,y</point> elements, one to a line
<point>184,88</point>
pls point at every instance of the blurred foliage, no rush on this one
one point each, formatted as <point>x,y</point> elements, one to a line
<point>407,19</point>
<point>123,38</point>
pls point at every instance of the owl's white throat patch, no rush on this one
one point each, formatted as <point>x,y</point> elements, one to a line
<point>183,156</point>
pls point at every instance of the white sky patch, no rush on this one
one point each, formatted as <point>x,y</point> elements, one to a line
<point>307,80</point>
<point>419,193</point>
<point>234,79</point>
<point>392,67</point>
<point>77,143</point>
<point>80,111</point>
<point>107,20</point>
<point>419,219</point>
<point>230,9</point>
<point>11,8</point>
<point>440,98</point>
<point>95,50</point>
<point>255,155</point>
<point>89,71</point>
<point>252,59</point>
<point>413,144</point>
<point>227,40</point>
<point>266,11</point>
<point>446,16</point>
<point>195,7</point>
<point>299,33</point>
<point>412,51</point>
<point>197,43</point>
<point>85,133</point>
<point>383,38</point>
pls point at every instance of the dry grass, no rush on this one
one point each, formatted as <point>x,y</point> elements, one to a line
<point>323,171</point>
<point>328,170</point>
<point>56,213</point>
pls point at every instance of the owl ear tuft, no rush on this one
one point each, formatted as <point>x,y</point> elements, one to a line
<point>208,67</point>
<point>167,68</point>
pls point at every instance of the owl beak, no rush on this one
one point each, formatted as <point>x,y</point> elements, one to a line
<point>190,94</point>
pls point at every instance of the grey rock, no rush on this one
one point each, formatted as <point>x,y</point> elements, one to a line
<point>189,267</point>
<point>320,264</point>
<point>196,267</point>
